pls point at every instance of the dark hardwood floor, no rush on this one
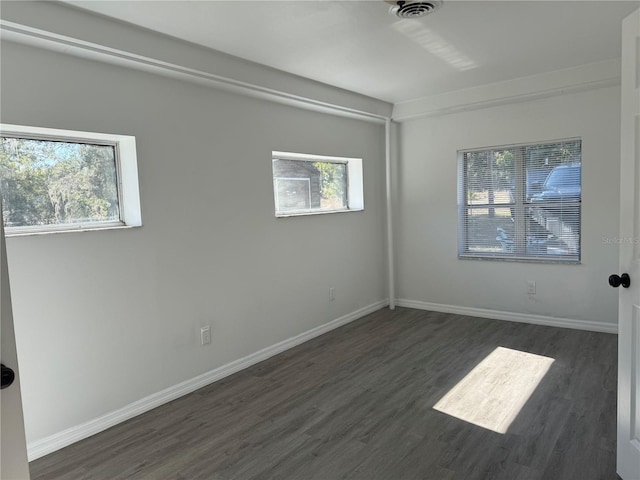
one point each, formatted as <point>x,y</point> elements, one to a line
<point>358,403</point>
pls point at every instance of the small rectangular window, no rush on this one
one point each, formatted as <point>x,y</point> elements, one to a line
<point>521,202</point>
<point>58,180</point>
<point>310,184</point>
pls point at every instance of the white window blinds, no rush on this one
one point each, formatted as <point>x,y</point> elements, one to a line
<point>521,202</point>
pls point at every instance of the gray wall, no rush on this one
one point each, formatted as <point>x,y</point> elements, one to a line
<point>426,237</point>
<point>106,318</point>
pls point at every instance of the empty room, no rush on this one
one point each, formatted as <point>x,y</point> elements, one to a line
<point>320,240</point>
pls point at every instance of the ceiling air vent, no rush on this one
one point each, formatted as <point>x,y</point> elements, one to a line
<point>413,8</point>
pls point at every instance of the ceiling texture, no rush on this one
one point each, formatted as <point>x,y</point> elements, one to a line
<point>360,46</point>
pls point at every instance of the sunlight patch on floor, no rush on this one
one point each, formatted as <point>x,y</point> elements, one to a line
<point>494,392</point>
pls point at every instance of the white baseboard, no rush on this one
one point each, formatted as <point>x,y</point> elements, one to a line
<point>511,316</point>
<point>42,447</point>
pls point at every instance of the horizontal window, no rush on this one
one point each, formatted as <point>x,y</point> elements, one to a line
<point>521,202</point>
<point>310,184</point>
<point>59,180</point>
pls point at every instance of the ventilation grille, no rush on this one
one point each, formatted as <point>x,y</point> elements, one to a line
<point>415,9</point>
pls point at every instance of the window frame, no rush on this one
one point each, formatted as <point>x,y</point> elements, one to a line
<point>276,187</point>
<point>519,206</point>
<point>126,171</point>
<point>354,183</point>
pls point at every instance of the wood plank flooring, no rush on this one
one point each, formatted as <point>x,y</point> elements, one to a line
<point>358,403</point>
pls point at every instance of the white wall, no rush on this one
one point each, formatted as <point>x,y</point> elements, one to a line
<point>428,269</point>
<point>106,318</point>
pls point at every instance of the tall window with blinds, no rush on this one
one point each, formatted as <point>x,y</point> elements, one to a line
<point>521,202</point>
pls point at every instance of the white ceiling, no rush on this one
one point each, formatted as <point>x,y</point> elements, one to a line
<point>358,46</point>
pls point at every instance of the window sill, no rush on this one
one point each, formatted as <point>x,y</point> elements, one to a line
<point>564,261</point>
<point>25,233</point>
<point>325,212</point>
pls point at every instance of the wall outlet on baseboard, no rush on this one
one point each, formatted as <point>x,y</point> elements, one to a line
<point>205,335</point>
<point>531,287</point>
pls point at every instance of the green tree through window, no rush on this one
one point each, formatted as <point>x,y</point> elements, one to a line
<point>332,183</point>
<point>45,182</point>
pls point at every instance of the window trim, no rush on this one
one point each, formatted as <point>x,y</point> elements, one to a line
<point>463,253</point>
<point>126,176</point>
<point>355,197</point>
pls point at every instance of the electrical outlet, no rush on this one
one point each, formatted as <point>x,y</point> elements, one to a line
<point>332,294</point>
<point>531,287</point>
<point>205,335</point>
